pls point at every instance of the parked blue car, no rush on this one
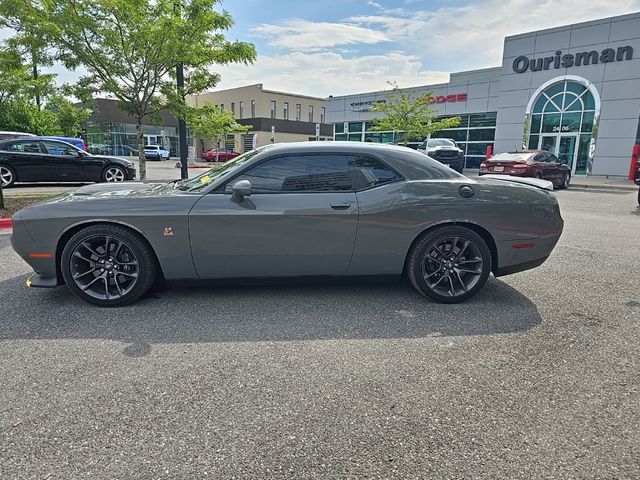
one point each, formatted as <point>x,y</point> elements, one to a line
<point>77,142</point>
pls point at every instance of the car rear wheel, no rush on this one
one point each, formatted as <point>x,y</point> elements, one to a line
<point>7,176</point>
<point>114,174</point>
<point>108,265</point>
<point>449,264</point>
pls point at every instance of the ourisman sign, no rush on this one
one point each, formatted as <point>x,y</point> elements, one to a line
<point>521,64</point>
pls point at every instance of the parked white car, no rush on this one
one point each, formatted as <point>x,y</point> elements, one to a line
<point>157,152</point>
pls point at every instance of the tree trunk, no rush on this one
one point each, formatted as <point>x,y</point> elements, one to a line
<point>141,158</point>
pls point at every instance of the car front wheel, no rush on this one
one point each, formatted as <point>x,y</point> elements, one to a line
<point>114,174</point>
<point>108,265</point>
<point>449,264</point>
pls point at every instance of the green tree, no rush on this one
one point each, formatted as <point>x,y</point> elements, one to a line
<point>415,117</point>
<point>213,123</point>
<point>21,115</point>
<point>69,117</point>
<point>30,44</point>
<point>130,48</point>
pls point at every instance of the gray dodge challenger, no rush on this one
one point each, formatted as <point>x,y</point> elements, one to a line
<point>314,209</point>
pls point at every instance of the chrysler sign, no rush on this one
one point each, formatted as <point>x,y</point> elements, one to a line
<point>559,60</point>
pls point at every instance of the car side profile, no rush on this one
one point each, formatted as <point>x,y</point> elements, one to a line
<point>331,209</point>
<point>40,159</point>
<point>218,155</point>
<point>529,163</point>
<point>157,152</point>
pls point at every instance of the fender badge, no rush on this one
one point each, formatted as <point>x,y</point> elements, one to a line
<point>168,232</point>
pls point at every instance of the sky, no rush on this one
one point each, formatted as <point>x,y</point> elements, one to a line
<point>336,47</point>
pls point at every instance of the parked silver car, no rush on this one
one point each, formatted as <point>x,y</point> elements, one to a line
<point>292,210</point>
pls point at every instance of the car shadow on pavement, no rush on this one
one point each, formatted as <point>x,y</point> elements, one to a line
<point>265,313</point>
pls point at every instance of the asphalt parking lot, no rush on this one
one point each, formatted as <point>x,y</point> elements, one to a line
<point>537,377</point>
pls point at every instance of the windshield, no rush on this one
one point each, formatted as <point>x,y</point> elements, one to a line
<point>207,178</point>
<point>440,142</point>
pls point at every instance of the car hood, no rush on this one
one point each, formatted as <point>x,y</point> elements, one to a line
<point>114,191</point>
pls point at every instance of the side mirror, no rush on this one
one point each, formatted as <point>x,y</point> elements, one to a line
<point>241,188</point>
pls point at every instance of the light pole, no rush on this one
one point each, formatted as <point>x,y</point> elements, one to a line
<point>182,126</point>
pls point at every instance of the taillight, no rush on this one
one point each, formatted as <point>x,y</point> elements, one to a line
<point>483,165</point>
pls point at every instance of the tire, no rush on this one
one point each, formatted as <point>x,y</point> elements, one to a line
<point>113,173</point>
<point>538,176</point>
<point>639,197</point>
<point>566,180</point>
<point>91,275</point>
<point>7,176</point>
<point>429,266</point>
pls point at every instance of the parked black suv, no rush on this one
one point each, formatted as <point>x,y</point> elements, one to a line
<point>445,151</point>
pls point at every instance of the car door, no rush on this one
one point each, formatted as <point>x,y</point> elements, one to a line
<point>27,159</point>
<point>300,219</point>
<point>65,161</point>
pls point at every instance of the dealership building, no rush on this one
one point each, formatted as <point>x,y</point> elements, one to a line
<point>573,90</point>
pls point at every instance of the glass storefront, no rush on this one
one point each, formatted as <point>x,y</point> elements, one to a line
<point>475,133</point>
<point>120,138</point>
<point>562,121</point>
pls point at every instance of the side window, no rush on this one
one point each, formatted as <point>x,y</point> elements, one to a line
<point>541,157</point>
<point>25,147</point>
<point>553,158</point>
<point>299,173</point>
<point>368,172</point>
<point>58,148</point>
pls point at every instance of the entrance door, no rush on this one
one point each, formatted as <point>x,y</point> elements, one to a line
<point>568,150</point>
<point>565,147</point>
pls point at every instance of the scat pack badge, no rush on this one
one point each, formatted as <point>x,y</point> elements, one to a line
<point>168,232</point>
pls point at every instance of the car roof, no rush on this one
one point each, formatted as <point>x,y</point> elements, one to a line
<point>405,160</point>
<point>21,134</point>
<point>34,137</point>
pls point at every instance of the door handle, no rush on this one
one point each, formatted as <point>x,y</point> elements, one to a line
<point>340,205</point>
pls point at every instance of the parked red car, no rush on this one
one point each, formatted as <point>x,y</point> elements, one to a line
<point>529,163</point>
<point>221,155</point>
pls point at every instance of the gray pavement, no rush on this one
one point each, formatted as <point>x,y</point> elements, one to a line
<point>535,378</point>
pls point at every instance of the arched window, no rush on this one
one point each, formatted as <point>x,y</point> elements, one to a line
<point>562,120</point>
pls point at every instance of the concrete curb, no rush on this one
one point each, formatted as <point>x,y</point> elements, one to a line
<point>604,186</point>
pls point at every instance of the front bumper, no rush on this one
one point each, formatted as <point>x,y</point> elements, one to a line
<point>131,173</point>
<point>40,257</point>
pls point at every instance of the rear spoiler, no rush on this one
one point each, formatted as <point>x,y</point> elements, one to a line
<point>534,182</point>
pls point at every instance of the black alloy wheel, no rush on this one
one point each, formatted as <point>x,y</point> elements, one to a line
<point>449,264</point>
<point>108,265</point>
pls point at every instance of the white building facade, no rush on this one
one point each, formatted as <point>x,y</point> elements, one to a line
<point>573,90</point>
